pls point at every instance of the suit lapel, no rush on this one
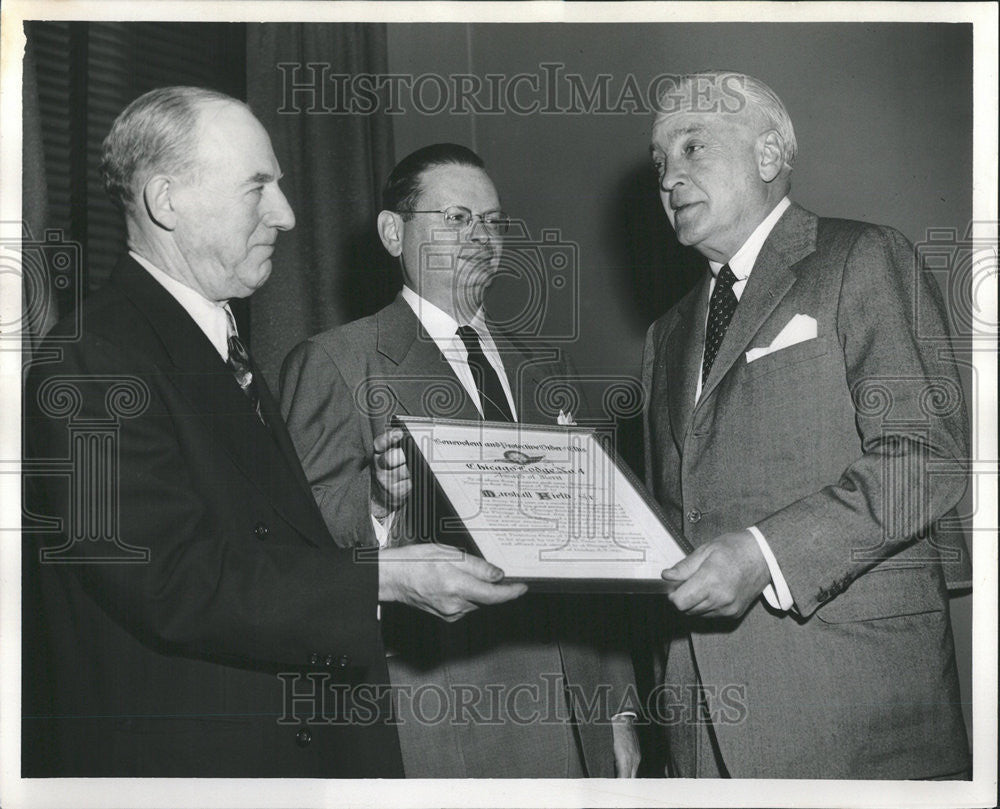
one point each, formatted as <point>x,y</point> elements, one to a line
<point>683,347</point>
<point>523,376</point>
<point>421,379</point>
<point>792,239</point>
<point>212,393</point>
<point>291,491</point>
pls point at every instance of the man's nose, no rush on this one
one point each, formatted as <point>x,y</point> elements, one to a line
<point>671,178</point>
<point>279,214</point>
<point>479,233</point>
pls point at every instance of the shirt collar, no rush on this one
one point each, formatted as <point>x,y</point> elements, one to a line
<point>210,316</point>
<point>438,323</point>
<point>743,259</point>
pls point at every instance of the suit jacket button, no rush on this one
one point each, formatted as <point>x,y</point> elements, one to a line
<point>344,661</point>
<point>313,659</point>
<point>303,738</point>
<point>694,515</point>
<point>261,530</point>
<point>328,661</point>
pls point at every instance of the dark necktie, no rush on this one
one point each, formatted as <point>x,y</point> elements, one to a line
<point>491,395</point>
<point>239,364</point>
<point>720,311</point>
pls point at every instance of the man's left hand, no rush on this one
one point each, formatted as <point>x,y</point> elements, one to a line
<point>720,579</point>
<point>626,746</point>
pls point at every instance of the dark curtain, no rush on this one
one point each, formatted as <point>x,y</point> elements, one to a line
<point>331,268</point>
<point>78,76</point>
<point>38,307</point>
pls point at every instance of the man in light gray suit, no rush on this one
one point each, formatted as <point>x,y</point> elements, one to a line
<point>534,688</point>
<point>801,430</point>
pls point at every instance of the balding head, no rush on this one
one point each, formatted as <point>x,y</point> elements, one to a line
<point>157,133</point>
<point>197,177</point>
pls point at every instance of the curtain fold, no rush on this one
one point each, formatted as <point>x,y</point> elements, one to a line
<point>331,268</point>
<point>38,306</point>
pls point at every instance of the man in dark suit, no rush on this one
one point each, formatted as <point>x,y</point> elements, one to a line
<point>194,616</point>
<point>433,352</point>
<point>808,438</point>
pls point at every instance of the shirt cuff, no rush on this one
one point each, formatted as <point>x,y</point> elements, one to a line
<point>382,528</point>
<point>776,593</point>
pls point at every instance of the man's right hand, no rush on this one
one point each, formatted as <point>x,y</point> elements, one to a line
<point>441,580</point>
<point>391,483</point>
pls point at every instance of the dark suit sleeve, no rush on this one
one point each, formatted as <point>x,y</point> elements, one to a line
<point>897,378</point>
<point>216,585</point>
<point>328,433</point>
<point>617,668</point>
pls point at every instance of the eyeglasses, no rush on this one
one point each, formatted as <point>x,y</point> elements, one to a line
<point>458,217</point>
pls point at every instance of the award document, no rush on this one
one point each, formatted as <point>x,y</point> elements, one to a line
<point>550,505</point>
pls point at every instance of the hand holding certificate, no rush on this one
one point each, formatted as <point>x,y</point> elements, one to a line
<point>551,506</point>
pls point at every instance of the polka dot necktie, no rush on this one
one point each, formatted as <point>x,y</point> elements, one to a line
<point>491,395</point>
<point>720,311</point>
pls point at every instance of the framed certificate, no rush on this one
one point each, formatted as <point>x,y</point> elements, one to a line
<point>551,505</point>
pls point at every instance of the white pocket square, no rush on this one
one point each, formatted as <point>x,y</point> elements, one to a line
<point>797,330</point>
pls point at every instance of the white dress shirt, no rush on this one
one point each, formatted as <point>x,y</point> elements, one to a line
<point>212,317</point>
<point>776,593</point>
<point>443,329</point>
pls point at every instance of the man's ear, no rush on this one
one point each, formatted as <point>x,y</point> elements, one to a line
<point>158,202</point>
<point>770,155</point>
<point>390,231</point>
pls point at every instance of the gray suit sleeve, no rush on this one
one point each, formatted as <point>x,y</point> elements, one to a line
<point>328,433</point>
<point>897,378</point>
<point>648,356</point>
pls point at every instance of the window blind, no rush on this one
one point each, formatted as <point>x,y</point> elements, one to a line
<point>87,74</point>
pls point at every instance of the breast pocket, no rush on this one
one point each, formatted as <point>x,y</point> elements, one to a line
<point>787,357</point>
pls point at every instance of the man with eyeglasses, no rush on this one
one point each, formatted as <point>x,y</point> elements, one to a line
<point>505,693</point>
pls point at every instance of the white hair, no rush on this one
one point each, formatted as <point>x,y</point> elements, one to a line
<point>156,132</point>
<point>729,91</point>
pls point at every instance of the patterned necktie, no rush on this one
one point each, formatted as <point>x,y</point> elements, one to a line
<point>720,311</point>
<point>239,364</point>
<point>491,395</point>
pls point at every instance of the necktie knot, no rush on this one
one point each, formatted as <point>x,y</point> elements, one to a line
<point>726,278</point>
<point>470,338</point>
